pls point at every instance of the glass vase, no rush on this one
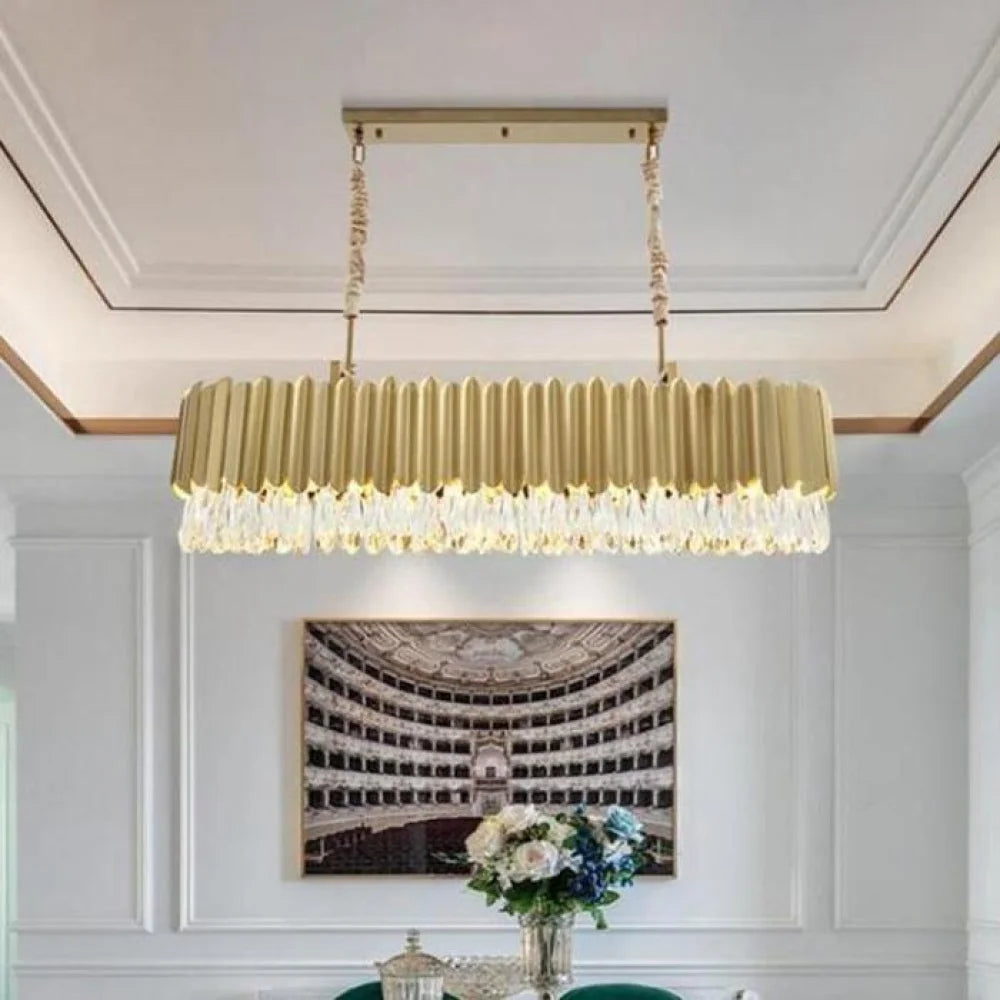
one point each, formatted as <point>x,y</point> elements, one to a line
<point>547,953</point>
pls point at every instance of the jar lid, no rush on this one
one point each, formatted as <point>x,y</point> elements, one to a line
<point>412,963</point>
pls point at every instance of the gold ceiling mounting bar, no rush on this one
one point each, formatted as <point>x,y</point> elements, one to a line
<point>656,248</point>
<point>499,125</point>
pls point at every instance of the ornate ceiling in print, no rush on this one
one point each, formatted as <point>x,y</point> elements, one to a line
<point>519,654</point>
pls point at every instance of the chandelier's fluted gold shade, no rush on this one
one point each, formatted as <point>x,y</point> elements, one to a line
<point>512,466</point>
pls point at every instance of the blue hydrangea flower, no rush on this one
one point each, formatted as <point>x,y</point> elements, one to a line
<point>590,882</point>
<point>620,823</point>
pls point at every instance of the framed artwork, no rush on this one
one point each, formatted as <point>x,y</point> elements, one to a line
<point>412,731</point>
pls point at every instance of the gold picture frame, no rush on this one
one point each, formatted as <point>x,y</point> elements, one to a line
<point>666,628</point>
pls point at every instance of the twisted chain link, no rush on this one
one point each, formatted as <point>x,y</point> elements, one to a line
<point>659,262</point>
<point>357,238</point>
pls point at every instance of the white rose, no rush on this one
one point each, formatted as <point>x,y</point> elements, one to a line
<point>558,832</point>
<point>536,860</point>
<point>486,841</point>
<point>518,818</point>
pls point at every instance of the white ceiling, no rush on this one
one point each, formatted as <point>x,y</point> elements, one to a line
<point>192,156</point>
<point>203,146</point>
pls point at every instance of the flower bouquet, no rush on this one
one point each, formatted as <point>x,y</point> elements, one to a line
<point>546,867</point>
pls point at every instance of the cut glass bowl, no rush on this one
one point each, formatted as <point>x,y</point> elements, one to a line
<point>483,977</point>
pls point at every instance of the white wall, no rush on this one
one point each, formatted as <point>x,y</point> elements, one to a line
<point>6,571</point>
<point>822,762</point>
<point>984,731</point>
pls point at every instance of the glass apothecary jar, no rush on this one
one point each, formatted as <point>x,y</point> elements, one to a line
<point>412,975</point>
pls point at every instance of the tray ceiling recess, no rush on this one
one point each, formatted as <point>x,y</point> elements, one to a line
<point>181,213</point>
<point>456,126</point>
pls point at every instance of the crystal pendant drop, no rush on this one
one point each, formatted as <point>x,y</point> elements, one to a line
<point>531,522</point>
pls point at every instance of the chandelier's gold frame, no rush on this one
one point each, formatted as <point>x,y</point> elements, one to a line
<point>647,466</point>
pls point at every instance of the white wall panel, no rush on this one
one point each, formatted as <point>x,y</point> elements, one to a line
<point>984,722</point>
<point>984,731</point>
<point>738,837</point>
<point>83,816</point>
<point>900,734</point>
<point>760,754</point>
<point>984,981</point>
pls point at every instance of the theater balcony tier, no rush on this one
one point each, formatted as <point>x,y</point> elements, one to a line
<point>327,778</point>
<point>640,752</point>
<point>326,804</point>
<point>649,709</point>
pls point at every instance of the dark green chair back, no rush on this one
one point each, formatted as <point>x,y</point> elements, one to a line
<point>369,991</point>
<point>619,991</point>
<point>366,991</point>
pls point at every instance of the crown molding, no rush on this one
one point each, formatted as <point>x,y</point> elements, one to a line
<point>54,146</point>
<point>979,98</point>
<point>422,283</point>
<point>859,279</point>
<point>865,284</point>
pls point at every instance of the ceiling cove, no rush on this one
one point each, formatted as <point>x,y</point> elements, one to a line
<point>810,183</point>
<point>961,147</point>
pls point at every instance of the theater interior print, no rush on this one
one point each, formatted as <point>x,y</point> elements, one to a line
<point>413,730</point>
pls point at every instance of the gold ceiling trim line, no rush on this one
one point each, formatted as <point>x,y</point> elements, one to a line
<point>168,426</point>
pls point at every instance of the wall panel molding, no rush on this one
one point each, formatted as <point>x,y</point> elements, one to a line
<point>141,919</point>
<point>189,920</point>
<point>185,798</point>
<point>843,919</point>
<point>984,531</point>
<point>7,856</point>
<point>273,925</point>
<point>797,751</point>
<point>220,967</point>
<point>982,479</point>
<point>985,967</point>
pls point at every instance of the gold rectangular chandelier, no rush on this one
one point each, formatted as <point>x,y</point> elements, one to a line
<point>533,467</point>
